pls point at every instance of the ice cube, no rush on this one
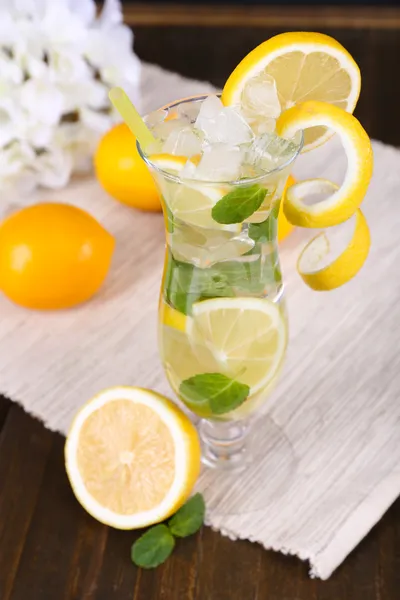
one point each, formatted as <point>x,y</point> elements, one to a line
<point>269,151</point>
<point>260,97</point>
<point>183,142</point>
<point>280,148</point>
<point>220,162</point>
<point>263,125</point>
<point>227,126</point>
<point>231,128</point>
<point>209,109</point>
<point>189,110</point>
<point>163,130</point>
<point>188,171</point>
<point>155,118</point>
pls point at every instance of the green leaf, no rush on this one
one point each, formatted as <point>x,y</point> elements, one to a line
<point>189,518</point>
<point>186,284</point>
<point>238,205</point>
<point>223,394</point>
<point>153,547</point>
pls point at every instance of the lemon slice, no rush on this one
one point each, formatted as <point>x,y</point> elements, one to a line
<point>305,66</point>
<point>168,162</point>
<point>344,201</point>
<point>190,202</point>
<point>321,271</point>
<point>246,337</point>
<point>183,358</point>
<point>172,317</point>
<point>132,457</point>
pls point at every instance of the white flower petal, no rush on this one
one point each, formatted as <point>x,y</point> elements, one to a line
<point>8,26</point>
<point>38,135</point>
<point>90,93</point>
<point>53,168</point>
<point>9,70</point>
<point>9,118</point>
<point>84,9</point>
<point>43,100</point>
<point>68,67</point>
<point>96,121</point>
<point>63,28</point>
<point>14,158</point>
<point>111,14</point>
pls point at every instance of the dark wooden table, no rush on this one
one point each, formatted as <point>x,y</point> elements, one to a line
<point>50,549</point>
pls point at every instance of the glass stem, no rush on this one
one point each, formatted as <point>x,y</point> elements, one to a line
<point>224,443</point>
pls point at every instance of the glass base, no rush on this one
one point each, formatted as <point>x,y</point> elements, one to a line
<point>260,451</point>
<point>224,444</point>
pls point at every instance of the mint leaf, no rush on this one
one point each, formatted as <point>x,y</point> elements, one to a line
<point>153,547</point>
<point>185,284</point>
<point>223,394</point>
<point>267,230</point>
<point>238,205</point>
<point>189,518</point>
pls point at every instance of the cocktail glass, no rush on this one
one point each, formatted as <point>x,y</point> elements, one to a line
<point>205,263</point>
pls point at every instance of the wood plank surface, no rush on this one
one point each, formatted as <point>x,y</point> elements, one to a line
<point>289,17</point>
<point>51,549</point>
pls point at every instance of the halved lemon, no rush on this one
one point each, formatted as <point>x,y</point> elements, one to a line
<point>246,336</point>
<point>344,201</point>
<point>132,457</point>
<point>324,269</point>
<point>305,66</point>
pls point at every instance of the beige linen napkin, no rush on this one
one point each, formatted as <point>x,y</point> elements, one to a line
<point>327,465</point>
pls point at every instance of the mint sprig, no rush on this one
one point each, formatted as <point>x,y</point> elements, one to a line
<point>157,543</point>
<point>185,284</point>
<point>239,204</point>
<point>222,393</point>
<point>153,547</point>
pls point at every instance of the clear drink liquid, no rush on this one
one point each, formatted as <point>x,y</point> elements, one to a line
<point>210,325</point>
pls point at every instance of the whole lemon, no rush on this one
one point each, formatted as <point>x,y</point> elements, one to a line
<point>122,172</point>
<point>53,256</point>
<point>284,227</point>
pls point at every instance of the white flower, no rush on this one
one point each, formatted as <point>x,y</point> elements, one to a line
<point>58,60</point>
<point>10,71</point>
<point>8,121</point>
<point>42,100</point>
<point>16,156</point>
<point>53,167</point>
<point>68,67</point>
<point>15,168</point>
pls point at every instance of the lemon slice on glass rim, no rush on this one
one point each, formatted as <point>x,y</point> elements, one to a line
<point>305,66</point>
<point>132,457</point>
